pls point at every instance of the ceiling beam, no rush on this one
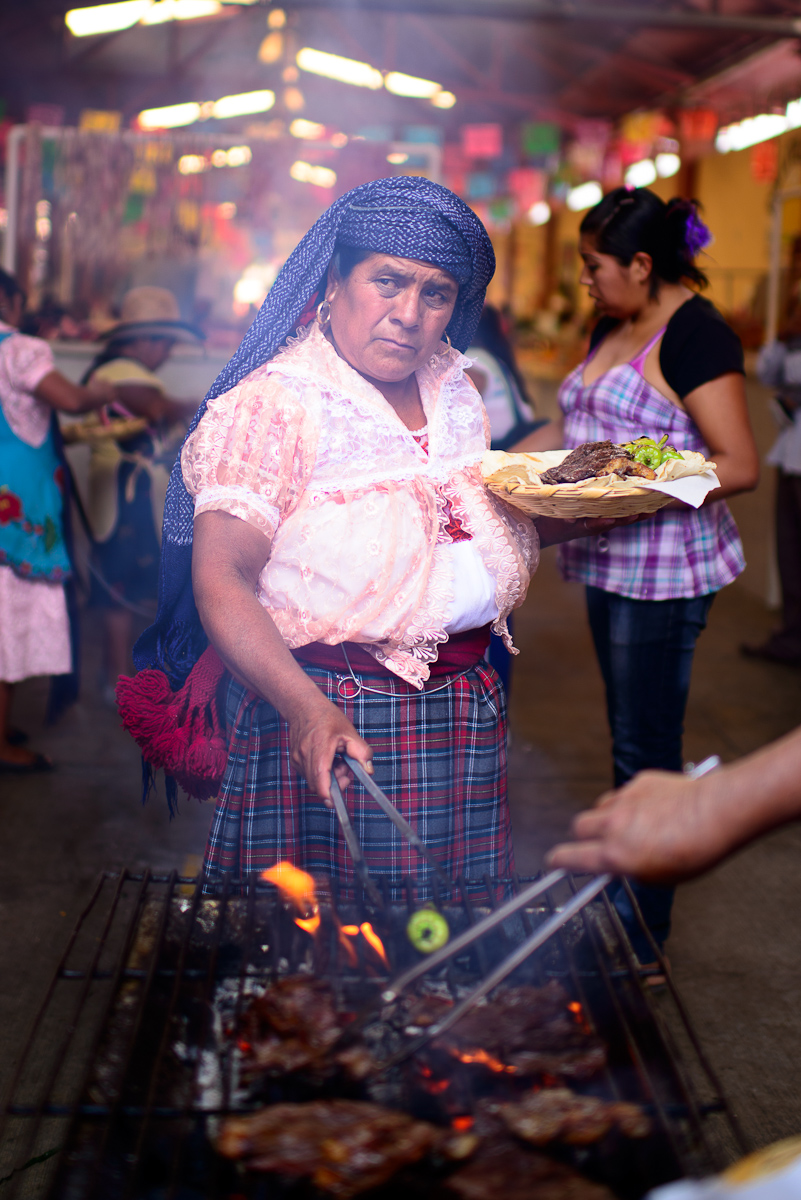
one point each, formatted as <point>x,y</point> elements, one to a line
<point>550,10</point>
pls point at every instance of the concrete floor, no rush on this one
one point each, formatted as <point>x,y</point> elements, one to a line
<point>735,943</point>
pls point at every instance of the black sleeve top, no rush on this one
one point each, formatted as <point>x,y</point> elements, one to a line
<point>698,346</point>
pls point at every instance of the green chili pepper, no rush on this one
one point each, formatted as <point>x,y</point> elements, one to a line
<point>427,930</point>
<point>650,453</point>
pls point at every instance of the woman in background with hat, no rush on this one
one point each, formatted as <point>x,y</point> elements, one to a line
<point>128,476</point>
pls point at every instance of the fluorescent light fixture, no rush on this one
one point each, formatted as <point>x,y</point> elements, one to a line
<point>192,164</point>
<point>443,100</point>
<point>106,18</point>
<point>170,117</point>
<point>584,196</point>
<point>244,102</point>
<point>310,130</point>
<point>180,10</point>
<point>667,165</point>
<point>304,172</point>
<point>345,70</point>
<point>540,213</point>
<point>409,85</point>
<point>757,129</point>
<point>239,156</point>
<point>640,174</point>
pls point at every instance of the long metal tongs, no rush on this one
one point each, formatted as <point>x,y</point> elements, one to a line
<point>399,821</point>
<point>513,960</point>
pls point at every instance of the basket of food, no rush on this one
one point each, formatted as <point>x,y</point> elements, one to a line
<point>92,430</point>
<point>599,479</point>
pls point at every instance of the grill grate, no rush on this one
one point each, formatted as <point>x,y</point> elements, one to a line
<point>124,1073</point>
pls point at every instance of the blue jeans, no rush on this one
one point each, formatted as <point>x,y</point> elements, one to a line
<point>645,650</point>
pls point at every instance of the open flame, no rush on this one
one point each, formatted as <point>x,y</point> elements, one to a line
<point>374,941</point>
<point>298,887</point>
<point>369,935</point>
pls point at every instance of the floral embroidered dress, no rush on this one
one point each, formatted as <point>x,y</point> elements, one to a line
<point>34,627</point>
<point>356,509</point>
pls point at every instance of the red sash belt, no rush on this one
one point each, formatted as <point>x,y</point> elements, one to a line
<point>459,653</point>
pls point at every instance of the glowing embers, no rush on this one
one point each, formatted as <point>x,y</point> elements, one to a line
<point>483,1059</point>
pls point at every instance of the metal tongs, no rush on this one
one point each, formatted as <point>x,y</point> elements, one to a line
<point>399,821</point>
<point>490,922</point>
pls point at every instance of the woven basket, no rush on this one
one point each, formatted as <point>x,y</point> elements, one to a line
<point>569,501</point>
<point>515,478</point>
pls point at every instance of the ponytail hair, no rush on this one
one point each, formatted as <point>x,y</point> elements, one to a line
<point>630,221</point>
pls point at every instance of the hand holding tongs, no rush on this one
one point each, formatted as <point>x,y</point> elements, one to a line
<point>513,960</point>
<point>399,821</point>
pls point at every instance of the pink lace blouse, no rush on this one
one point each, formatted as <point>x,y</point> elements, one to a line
<point>312,455</point>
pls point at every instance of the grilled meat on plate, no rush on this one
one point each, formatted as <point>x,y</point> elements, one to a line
<point>596,458</point>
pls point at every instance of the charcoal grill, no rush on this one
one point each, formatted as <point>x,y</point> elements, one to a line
<point>124,1072</point>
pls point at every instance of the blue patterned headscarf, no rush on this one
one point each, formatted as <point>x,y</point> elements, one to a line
<point>407,216</point>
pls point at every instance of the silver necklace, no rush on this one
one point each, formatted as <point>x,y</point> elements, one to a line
<point>362,687</point>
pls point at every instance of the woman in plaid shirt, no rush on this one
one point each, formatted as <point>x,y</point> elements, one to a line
<point>662,361</point>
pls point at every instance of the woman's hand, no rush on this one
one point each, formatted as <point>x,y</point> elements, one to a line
<point>553,530</point>
<point>317,734</point>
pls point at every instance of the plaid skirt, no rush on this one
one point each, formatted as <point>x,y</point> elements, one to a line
<point>439,755</point>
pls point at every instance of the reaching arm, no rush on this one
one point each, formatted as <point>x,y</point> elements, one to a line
<point>150,402</point>
<point>662,827</point>
<point>68,397</point>
<point>720,410</point>
<point>227,558</point>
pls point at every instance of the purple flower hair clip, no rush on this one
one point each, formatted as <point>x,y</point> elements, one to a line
<point>696,234</point>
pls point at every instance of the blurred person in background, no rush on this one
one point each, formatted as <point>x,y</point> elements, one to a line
<point>662,361</point>
<point>128,475</point>
<point>779,366</point>
<point>34,559</point>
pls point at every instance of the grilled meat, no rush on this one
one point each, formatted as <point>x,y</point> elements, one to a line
<point>502,1168</point>
<point>557,1114</point>
<point>346,1146</point>
<point>532,1030</point>
<point>292,1026</point>
<point>596,458</point>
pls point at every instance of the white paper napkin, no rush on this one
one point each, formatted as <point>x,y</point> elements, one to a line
<point>692,489</point>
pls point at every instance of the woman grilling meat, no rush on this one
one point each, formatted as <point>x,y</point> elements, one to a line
<point>348,562</point>
<point>662,362</point>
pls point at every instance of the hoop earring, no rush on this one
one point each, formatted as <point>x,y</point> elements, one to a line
<point>323,318</point>
<point>448,340</point>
